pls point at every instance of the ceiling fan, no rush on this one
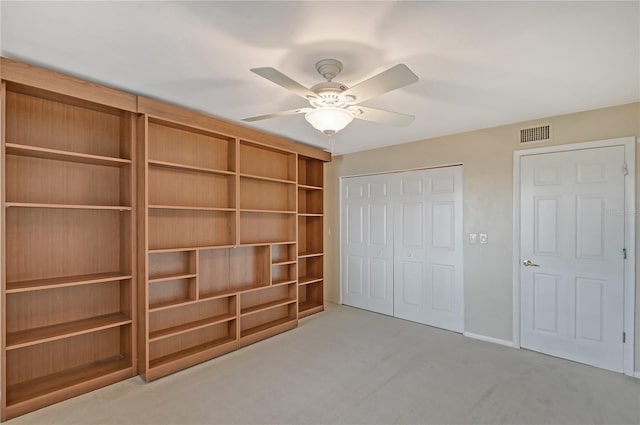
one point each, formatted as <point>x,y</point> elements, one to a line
<point>333,105</point>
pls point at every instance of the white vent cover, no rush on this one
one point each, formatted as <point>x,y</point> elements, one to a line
<point>535,134</point>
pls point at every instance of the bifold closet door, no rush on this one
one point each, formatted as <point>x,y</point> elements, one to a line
<point>428,285</point>
<point>367,251</point>
<point>402,245</point>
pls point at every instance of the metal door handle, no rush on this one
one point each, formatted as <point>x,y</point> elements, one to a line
<point>529,263</point>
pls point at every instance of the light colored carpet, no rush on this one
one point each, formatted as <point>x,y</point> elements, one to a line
<point>351,366</point>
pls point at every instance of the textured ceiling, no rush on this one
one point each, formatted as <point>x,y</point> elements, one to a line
<point>480,64</point>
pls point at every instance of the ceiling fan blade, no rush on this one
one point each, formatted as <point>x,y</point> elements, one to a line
<point>383,117</point>
<point>282,80</point>
<point>278,114</point>
<point>391,79</point>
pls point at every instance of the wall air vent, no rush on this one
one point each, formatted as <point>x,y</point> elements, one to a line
<point>535,134</point>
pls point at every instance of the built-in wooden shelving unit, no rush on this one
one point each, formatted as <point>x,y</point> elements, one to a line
<point>139,237</point>
<point>68,275</point>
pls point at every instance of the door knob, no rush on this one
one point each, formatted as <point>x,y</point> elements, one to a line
<point>529,263</point>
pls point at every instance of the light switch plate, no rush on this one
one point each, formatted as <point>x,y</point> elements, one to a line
<point>484,238</point>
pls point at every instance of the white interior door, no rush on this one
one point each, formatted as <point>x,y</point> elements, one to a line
<point>572,233</point>
<point>367,251</point>
<point>428,283</point>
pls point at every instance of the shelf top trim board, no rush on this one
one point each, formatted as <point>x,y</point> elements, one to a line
<point>60,155</point>
<point>62,282</point>
<point>29,337</point>
<point>68,206</point>
<point>166,164</point>
<point>165,111</point>
<point>168,122</point>
<point>268,147</point>
<point>41,78</point>
<point>270,179</point>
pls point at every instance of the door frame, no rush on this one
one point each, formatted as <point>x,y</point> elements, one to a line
<point>341,224</point>
<point>629,144</point>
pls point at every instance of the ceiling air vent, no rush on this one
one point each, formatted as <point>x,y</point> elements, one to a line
<point>535,134</point>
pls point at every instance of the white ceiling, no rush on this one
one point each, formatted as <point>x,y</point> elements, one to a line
<point>480,64</point>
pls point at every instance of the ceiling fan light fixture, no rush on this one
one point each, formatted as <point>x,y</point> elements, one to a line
<point>329,120</point>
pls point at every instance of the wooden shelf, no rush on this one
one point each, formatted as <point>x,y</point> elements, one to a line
<point>172,276</point>
<point>171,304</point>
<point>283,263</point>
<point>305,280</point>
<point>64,330</point>
<point>309,305</point>
<point>310,254</point>
<point>68,206</point>
<point>266,326</point>
<point>310,215</point>
<point>60,155</point>
<point>189,167</point>
<point>263,243</point>
<point>266,306</point>
<point>192,248</point>
<point>270,179</point>
<point>267,211</point>
<point>309,309</point>
<point>199,324</point>
<point>91,376</point>
<point>193,351</point>
<point>179,207</point>
<point>62,282</point>
<point>307,187</point>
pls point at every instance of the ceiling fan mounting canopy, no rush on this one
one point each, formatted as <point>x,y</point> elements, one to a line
<point>333,103</point>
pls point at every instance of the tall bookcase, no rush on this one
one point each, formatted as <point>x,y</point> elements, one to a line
<point>68,275</point>
<point>140,237</point>
<point>220,235</point>
<point>310,236</point>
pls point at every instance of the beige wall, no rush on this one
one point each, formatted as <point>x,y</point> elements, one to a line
<point>487,156</point>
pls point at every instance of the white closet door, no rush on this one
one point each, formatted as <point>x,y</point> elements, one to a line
<point>367,249</point>
<point>428,282</point>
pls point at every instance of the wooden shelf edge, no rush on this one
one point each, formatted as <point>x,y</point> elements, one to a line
<point>191,248</point>
<point>166,365</point>
<point>266,306</point>
<point>309,280</point>
<point>309,187</point>
<point>187,208</point>
<point>310,254</point>
<point>21,339</point>
<point>248,210</point>
<point>43,391</point>
<point>61,155</point>
<point>267,330</point>
<point>166,164</point>
<point>309,311</point>
<point>176,276</point>
<point>63,282</point>
<point>265,243</point>
<point>284,263</point>
<point>269,179</point>
<point>67,206</point>
<point>188,327</point>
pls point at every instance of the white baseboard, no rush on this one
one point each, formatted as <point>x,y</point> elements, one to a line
<point>489,339</point>
<point>637,373</point>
